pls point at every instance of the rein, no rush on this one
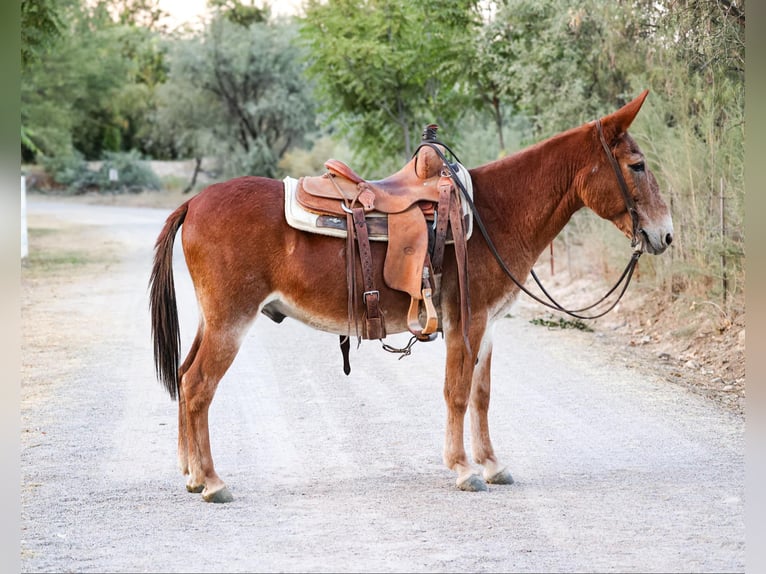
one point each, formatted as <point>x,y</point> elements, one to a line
<point>627,273</point>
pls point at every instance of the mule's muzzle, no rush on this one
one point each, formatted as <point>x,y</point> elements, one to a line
<point>655,243</point>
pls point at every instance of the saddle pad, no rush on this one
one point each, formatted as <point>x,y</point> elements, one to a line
<point>304,220</point>
<point>300,218</point>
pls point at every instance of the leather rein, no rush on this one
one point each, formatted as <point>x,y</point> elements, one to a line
<point>627,273</point>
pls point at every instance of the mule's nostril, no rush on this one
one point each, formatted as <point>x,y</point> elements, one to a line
<point>668,239</point>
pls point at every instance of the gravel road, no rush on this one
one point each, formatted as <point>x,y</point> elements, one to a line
<point>616,471</point>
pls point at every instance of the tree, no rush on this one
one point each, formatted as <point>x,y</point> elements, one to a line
<point>561,63</point>
<point>40,27</point>
<point>140,13</point>
<point>238,92</point>
<point>237,12</point>
<point>697,69</point>
<point>93,91</point>
<point>386,68</point>
<point>69,89</point>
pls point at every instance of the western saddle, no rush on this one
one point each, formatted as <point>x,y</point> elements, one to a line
<point>419,207</point>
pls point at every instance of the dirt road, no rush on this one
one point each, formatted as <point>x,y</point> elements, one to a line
<point>615,470</point>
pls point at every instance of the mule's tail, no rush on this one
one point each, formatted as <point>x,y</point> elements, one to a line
<point>162,304</point>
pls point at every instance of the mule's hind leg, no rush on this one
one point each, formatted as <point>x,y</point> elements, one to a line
<point>217,349</point>
<point>481,444</point>
<point>183,439</point>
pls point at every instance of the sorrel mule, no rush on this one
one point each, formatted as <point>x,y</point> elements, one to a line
<point>242,256</point>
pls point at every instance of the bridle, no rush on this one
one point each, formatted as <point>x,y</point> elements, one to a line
<point>630,205</point>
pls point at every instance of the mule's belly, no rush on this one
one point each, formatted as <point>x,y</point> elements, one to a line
<point>323,316</point>
<point>277,308</point>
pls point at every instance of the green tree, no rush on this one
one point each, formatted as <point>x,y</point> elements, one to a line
<point>237,92</point>
<point>93,91</point>
<point>386,68</point>
<point>563,62</point>
<point>185,118</point>
<point>73,86</point>
<point>40,27</point>
<point>140,13</point>
<point>237,12</point>
<point>490,87</point>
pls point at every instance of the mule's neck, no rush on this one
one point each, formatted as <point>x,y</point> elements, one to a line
<point>527,198</point>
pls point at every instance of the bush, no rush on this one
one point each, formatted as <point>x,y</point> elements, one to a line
<point>133,174</point>
<point>69,171</point>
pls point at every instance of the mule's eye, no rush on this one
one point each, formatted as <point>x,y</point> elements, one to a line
<point>638,166</point>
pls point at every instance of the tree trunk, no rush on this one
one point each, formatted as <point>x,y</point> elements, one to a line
<point>192,183</point>
<point>499,123</point>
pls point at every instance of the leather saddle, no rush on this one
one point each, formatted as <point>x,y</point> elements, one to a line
<point>418,208</point>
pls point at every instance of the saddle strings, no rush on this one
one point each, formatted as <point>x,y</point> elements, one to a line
<point>626,276</point>
<point>404,351</point>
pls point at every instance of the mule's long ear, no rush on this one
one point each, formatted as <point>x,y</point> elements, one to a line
<point>618,122</point>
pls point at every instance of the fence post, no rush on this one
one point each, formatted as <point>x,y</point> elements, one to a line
<point>724,276</point>
<point>24,239</point>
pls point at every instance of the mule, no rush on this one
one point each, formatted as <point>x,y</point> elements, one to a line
<point>244,259</point>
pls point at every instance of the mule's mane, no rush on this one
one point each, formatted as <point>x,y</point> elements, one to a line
<point>563,145</point>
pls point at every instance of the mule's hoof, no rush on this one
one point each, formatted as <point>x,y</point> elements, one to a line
<point>473,483</point>
<point>222,495</point>
<point>195,489</point>
<point>502,477</point>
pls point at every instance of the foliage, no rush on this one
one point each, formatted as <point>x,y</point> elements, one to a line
<point>40,27</point>
<point>298,162</point>
<point>66,97</point>
<point>562,62</point>
<point>73,173</point>
<point>184,122</point>
<point>240,13</point>
<point>697,134</point>
<point>93,91</point>
<point>68,170</point>
<point>562,323</point>
<point>133,173</point>
<point>139,13</point>
<point>386,68</point>
<point>238,93</point>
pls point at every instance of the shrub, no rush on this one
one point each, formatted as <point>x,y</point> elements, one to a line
<point>72,172</point>
<point>133,173</point>
<point>69,171</point>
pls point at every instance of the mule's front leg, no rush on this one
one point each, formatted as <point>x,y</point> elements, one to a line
<point>457,390</point>
<point>481,444</point>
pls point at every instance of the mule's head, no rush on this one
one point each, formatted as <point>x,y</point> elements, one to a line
<point>599,188</point>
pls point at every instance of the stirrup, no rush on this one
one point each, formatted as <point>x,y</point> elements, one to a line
<point>427,332</point>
